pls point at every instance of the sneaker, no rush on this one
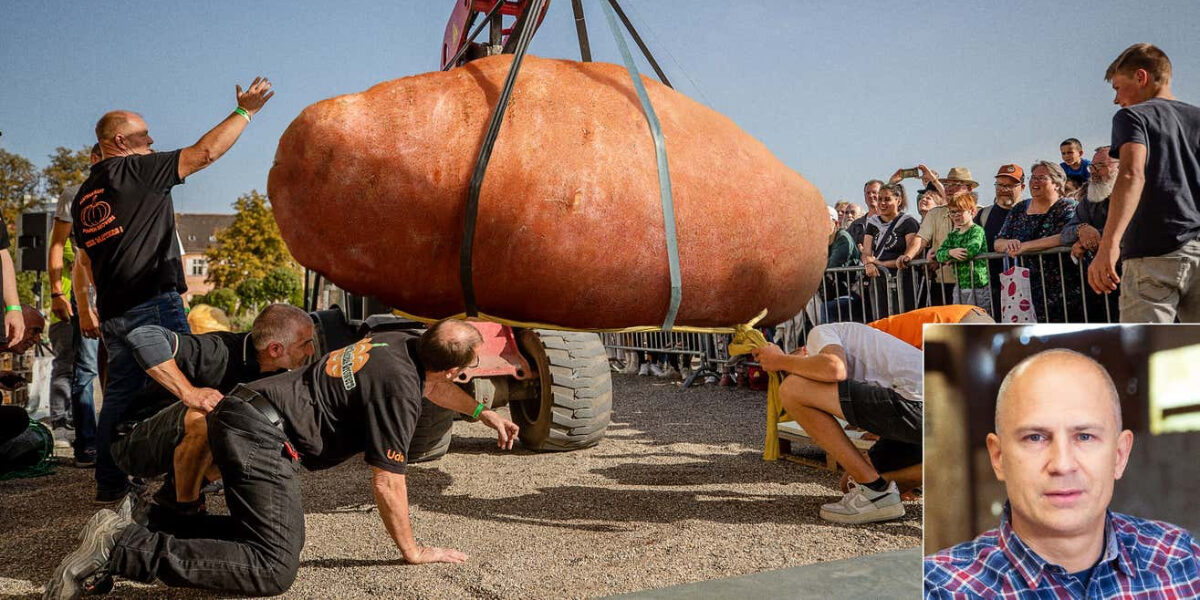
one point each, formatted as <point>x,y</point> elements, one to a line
<point>644,370</point>
<point>86,569</point>
<point>657,371</point>
<point>710,379</point>
<point>864,505</point>
<point>213,487</point>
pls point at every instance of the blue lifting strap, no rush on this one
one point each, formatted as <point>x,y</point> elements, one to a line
<point>664,177</point>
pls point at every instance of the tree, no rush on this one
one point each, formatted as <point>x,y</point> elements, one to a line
<point>19,182</point>
<point>283,285</point>
<point>67,167</point>
<point>249,248</point>
<point>250,292</point>
<point>222,298</point>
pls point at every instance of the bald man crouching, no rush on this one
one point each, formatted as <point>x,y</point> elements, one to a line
<point>362,399</point>
<point>1059,448</point>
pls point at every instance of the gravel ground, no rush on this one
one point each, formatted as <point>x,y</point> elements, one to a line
<point>677,493</point>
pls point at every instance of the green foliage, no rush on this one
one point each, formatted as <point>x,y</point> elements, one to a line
<point>67,167</point>
<point>250,292</point>
<point>25,281</point>
<point>19,183</point>
<point>249,248</point>
<point>222,298</point>
<point>283,285</point>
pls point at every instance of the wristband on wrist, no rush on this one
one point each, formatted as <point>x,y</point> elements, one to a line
<point>12,307</point>
<point>478,410</point>
<point>241,111</point>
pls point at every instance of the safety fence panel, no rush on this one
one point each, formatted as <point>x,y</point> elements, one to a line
<point>1057,292</point>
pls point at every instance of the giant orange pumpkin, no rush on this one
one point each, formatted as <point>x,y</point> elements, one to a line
<point>369,190</point>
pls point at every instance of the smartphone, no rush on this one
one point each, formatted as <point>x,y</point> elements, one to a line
<point>913,173</point>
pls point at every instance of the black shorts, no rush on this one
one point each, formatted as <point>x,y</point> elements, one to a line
<point>881,411</point>
<point>149,449</point>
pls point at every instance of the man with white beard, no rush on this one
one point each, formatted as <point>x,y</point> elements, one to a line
<point>1084,230</point>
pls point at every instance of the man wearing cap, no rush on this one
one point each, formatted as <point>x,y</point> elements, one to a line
<point>1010,186</point>
<point>1154,221</point>
<point>935,226</point>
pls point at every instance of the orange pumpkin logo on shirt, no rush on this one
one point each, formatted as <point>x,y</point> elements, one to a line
<point>346,362</point>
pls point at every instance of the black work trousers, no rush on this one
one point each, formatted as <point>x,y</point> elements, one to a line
<point>255,550</point>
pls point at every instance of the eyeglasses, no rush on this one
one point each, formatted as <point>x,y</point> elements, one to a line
<point>1040,178</point>
<point>956,213</point>
<point>1006,187</point>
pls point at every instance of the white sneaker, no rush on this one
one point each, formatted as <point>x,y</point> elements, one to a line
<point>864,505</point>
<point>645,370</point>
<point>658,371</point>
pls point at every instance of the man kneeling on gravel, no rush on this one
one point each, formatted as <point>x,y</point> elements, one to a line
<point>363,398</point>
<point>872,380</point>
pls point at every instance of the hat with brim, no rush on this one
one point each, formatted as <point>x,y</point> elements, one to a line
<point>960,175</point>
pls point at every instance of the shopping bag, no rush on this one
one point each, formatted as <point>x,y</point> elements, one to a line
<point>1016,296</point>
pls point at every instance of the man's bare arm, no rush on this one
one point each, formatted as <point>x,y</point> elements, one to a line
<point>81,282</point>
<point>54,268</point>
<point>391,496</point>
<point>828,365</point>
<point>14,321</point>
<point>446,394</point>
<point>221,138</point>
<point>168,375</point>
<point>1126,194</point>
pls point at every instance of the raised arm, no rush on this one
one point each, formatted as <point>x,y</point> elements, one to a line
<point>221,138</point>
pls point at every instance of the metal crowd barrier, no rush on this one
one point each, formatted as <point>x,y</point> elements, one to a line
<point>848,294</point>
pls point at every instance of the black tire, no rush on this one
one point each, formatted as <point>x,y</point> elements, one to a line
<point>575,404</point>
<point>431,439</point>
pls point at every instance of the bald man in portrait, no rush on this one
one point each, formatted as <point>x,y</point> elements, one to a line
<point>1059,447</point>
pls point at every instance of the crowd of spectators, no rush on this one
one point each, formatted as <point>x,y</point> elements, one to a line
<point>955,247</point>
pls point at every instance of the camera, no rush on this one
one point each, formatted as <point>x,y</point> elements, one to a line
<point>913,173</point>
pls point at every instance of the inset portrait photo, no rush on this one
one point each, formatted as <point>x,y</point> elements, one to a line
<point>1062,461</point>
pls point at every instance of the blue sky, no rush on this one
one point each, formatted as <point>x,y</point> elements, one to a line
<point>841,92</point>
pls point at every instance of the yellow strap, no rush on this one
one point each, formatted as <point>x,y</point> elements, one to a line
<point>637,329</point>
<point>745,339</point>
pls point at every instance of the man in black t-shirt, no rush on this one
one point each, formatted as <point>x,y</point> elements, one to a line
<point>123,224</point>
<point>1154,211</point>
<point>364,398</point>
<point>190,374</point>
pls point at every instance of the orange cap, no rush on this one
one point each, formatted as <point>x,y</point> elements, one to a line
<point>1015,172</point>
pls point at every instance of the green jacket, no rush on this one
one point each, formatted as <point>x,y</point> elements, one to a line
<point>972,274</point>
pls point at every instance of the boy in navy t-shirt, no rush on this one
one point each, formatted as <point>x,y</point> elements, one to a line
<point>1154,211</point>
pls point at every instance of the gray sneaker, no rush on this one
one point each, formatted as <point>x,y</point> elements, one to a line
<point>864,505</point>
<point>86,569</point>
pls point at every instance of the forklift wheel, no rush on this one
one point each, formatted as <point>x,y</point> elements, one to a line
<point>575,404</point>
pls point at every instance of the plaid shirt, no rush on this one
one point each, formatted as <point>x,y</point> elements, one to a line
<point>1142,559</point>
